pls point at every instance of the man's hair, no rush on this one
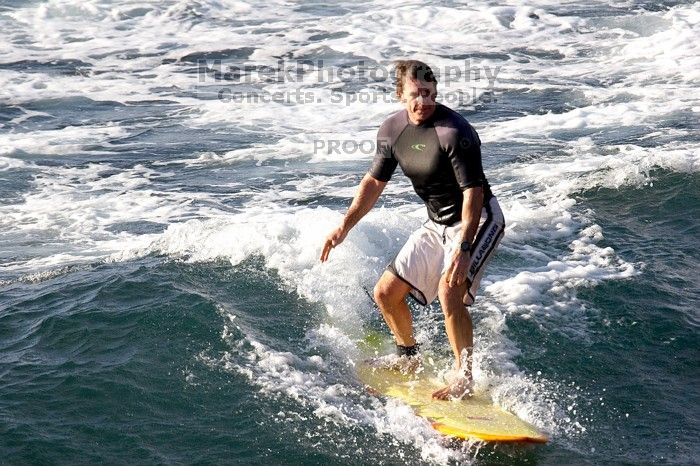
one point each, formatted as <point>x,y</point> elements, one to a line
<point>412,69</point>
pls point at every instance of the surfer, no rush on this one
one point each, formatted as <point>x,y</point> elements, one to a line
<point>440,152</point>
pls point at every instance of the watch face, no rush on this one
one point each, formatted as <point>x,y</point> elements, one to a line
<point>464,246</point>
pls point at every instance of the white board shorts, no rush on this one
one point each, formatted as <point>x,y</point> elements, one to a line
<point>427,254</point>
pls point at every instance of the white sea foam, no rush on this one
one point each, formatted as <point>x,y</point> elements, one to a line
<point>9,163</point>
<point>71,139</point>
<point>305,380</point>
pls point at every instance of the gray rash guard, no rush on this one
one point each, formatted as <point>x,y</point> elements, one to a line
<point>441,157</point>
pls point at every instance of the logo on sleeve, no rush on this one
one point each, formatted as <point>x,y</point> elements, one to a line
<point>418,147</point>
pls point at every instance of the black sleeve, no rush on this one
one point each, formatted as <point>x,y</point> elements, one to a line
<point>384,162</point>
<point>464,152</point>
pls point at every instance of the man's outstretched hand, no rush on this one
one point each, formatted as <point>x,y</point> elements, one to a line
<point>334,239</point>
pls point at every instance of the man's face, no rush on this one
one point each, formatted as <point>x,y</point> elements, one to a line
<point>418,97</point>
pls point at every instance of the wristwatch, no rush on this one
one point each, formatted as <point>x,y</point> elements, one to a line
<point>465,246</point>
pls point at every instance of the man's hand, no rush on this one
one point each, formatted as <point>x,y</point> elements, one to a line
<point>367,194</point>
<point>334,239</point>
<point>457,271</point>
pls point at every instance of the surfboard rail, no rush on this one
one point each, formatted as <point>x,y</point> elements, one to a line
<point>466,435</point>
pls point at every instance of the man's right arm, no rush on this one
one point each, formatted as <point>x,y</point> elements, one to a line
<point>367,194</point>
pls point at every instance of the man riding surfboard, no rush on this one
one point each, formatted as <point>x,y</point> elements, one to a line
<point>440,152</point>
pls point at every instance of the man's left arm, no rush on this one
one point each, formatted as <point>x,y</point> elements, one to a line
<point>463,148</point>
<point>471,213</point>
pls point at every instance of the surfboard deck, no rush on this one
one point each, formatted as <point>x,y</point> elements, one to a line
<point>472,418</point>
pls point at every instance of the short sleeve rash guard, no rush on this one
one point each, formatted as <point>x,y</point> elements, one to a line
<point>441,157</point>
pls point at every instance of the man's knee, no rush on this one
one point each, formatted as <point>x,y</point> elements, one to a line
<point>383,294</point>
<point>389,291</point>
<point>451,298</point>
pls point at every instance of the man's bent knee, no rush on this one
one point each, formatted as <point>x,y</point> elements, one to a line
<point>390,290</point>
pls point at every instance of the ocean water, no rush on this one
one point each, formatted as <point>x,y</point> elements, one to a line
<point>165,192</point>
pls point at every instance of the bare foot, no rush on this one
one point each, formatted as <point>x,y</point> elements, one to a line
<point>457,390</point>
<point>393,362</point>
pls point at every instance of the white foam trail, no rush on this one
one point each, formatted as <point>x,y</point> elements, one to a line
<point>69,215</point>
<point>8,163</point>
<point>304,380</point>
<point>71,139</point>
<point>582,119</point>
<point>551,289</point>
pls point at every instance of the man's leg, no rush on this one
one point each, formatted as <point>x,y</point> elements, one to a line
<point>458,324</point>
<point>390,294</point>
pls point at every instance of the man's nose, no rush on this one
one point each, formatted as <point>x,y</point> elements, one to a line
<point>423,99</point>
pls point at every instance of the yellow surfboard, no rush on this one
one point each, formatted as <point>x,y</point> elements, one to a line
<point>472,418</point>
